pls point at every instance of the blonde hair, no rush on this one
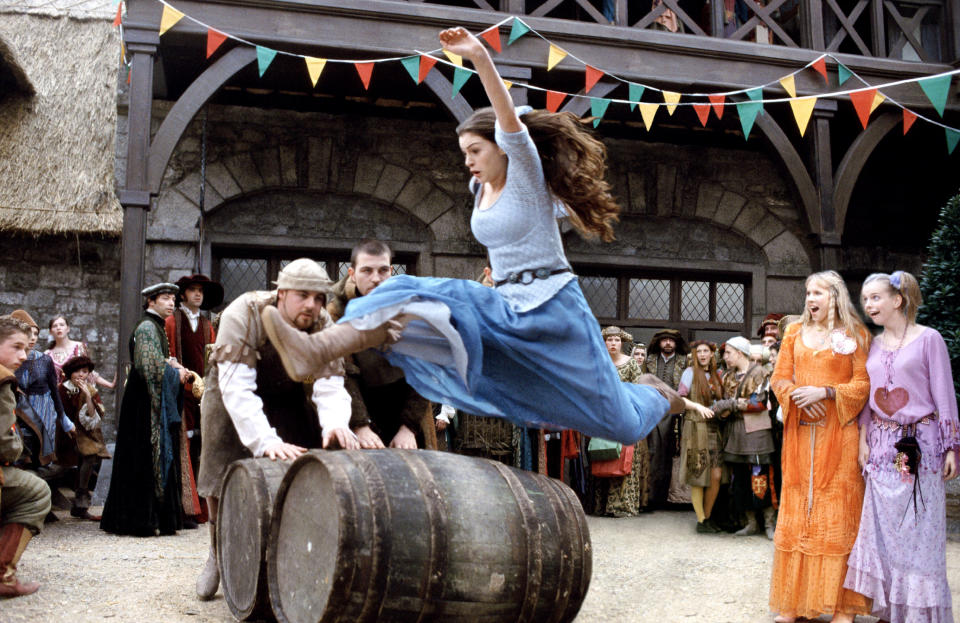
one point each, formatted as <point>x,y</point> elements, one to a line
<point>842,313</point>
<point>909,290</point>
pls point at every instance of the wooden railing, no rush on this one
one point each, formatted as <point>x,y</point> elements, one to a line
<point>925,31</point>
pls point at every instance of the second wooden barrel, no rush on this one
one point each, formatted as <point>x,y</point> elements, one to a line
<point>243,523</point>
<point>404,535</point>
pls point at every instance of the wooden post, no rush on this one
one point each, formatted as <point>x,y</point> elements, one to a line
<point>821,164</point>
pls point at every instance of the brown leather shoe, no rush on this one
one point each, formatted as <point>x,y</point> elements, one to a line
<point>13,540</point>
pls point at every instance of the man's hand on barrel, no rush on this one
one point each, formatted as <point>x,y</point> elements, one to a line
<point>368,439</point>
<point>404,439</point>
<point>342,437</point>
<point>282,450</point>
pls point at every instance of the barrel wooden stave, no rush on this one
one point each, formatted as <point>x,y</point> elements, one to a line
<point>408,538</point>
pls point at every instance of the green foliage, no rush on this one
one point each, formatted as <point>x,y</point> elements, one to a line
<point>940,283</point>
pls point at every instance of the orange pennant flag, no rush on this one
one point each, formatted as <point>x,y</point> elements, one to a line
<point>703,112</point>
<point>717,102</point>
<point>802,109</point>
<point>116,20</point>
<point>365,70</point>
<point>214,39</point>
<point>492,37</point>
<point>862,101</point>
<point>820,66</point>
<point>426,64</point>
<point>908,118</point>
<point>593,74</point>
<point>554,99</point>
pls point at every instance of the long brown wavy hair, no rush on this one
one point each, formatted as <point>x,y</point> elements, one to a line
<point>574,164</point>
<point>706,386</point>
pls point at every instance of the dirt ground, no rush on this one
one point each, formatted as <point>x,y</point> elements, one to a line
<point>648,568</point>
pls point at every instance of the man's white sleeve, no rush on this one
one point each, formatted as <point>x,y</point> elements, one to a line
<point>238,382</point>
<point>332,402</point>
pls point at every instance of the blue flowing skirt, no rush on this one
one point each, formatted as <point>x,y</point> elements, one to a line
<point>544,368</point>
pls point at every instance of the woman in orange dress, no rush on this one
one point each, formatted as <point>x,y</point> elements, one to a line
<point>822,384</point>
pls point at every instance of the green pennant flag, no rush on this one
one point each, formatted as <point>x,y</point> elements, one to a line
<point>460,77</point>
<point>265,56</point>
<point>412,65</point>
<point>517,30</point>
<point>636,92</point>
<point>952,138</point>
<point>598,108</point>
<point>843,74</point>
<point>748,114</point>
<point>936,90</point>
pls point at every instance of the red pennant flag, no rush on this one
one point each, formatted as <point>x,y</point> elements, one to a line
<point>593,74</point>
<point>554,99</point>
<point>116,20</point>
<point>717,102</point>
<point>492,37</point>
<point>820,65</point>
<point>862,101</point>
<point>703,112</point>
<point>365,70</point>
<point>908,119</point>
<point>426,64</point>
<point>214,39</point>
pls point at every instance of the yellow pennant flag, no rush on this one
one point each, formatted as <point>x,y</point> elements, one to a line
<point>671,99</point>
<point>802,109</point>
<point>507,84</point>
<point>314,67</point>
<point>170,17</point>
<point>456,59</point>
<point>877,100</point>
<point>648,110</point>
<point>789,85</point>
<point>556,55</point>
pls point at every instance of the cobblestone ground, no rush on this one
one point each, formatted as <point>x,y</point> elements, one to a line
<point>649,568</point>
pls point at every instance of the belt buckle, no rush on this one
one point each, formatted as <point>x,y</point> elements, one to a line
<point>542,273</point>
<point>531,273</point>
<point>513,278</point>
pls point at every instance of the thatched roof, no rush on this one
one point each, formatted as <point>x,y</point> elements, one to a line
<point>13,80</point>
<point>57,145</point>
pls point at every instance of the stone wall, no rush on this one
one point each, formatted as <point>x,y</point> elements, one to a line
<point>78,278</point>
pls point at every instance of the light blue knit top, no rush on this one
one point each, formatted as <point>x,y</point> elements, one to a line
<point>520,229</point>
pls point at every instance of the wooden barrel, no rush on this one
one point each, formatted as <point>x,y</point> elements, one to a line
<point>406,535</point>
<point>243,524</point>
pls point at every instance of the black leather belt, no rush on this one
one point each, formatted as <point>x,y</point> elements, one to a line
<point>526,277</point>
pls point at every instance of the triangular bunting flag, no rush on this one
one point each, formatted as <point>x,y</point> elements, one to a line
<point>365,70</point>
<point>703,112</point>
<point>862,100</point>
<point>129,72</point>
<point>820,66</point>
<point>843,74</point>
<point>426,64</point>
<point>456,59</point>
<point>636,92</point>
<point>877,100</point>
<point>492,37</point>
<point>117,18</point>
<point>123,52</point>
<point>314,67</point>
<point>908,118</point>
<point>717,102</point>
<point>215,39</point>
<point>169,17</point>
<point>748,113</point>
<point>593,74</point>
<point>789,85</point>
<point>756,95</point>
<point>802,109</point>
<point>412,65</point>
<point>936,90</point>
<point>460,77</point>
<point>517,30</point>
<point>265,56</point>
<point>507,83</point>
<point>554,99</point>
<point>648,111</point>
<point>556,55</point>
<point>598,108</point>
<point>671,98</point>
<point>952,137</point>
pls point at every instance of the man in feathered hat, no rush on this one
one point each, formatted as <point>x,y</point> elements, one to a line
<point>188,332</point>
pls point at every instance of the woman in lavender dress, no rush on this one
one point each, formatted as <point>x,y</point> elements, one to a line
<point>899,559</point>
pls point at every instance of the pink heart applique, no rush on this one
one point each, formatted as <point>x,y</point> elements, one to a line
<point>891,401</point>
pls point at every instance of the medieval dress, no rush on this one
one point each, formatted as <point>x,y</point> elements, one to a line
<point>822,487</point>
<point>528,350</point>
<point>700,451</point>
<point>38,379</point>
<point>626,496</point>
<point>899,559</point>
<point>144,497</point>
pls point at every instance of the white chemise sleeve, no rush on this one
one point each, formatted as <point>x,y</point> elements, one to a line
<point>332,402</point>
<point>238,382</point>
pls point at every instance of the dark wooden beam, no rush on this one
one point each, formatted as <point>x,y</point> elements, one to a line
<point>854,160</point>
<point>442,88</point>
<point>809,199</point>
<point>580,105</point>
